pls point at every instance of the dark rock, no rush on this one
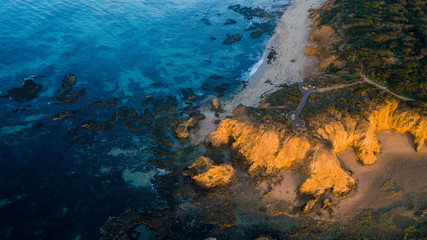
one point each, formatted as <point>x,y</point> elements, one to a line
<point>112,138</point>
<point>131,114</point>
<point>206,21</point>
<point>215,77</point>
<point>26,92</point>
<point>65,96</point>
<point>161,138</point>
<point>146,116</point>
<point>93,125</point>
<point>165,106</point>
<point>232,38</point>
<point>267,27</point>
<point>249,12</point>
<point>182,129</point>
<point>220,90</point>
<point>188,94</point>
<point>165,122</point>
<point>251,28</point>
<point>256,34</point>
<point>133,120</point>
<point>137,127</point>
<point>160,152</point>
<point>66,114</point>
<point>79,139</point>
<point>107,104</point>
<point>119,228</point>
<point>212,38</point>
<point>229,22</point>
<point>271,57</point>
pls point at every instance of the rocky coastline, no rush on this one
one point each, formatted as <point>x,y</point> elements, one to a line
<point>245,165</point>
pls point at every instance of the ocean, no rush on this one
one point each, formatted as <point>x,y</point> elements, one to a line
<point>63,178</point>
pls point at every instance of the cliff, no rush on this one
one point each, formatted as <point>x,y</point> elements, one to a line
<point>268,148</point>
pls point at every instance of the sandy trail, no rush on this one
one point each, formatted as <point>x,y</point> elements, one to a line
<point>290,39</point>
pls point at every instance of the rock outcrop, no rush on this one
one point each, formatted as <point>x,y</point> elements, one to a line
<point>182,129</point>
<point>208,175</point>
<point>267,149</point>
<point>26,92</point>
<point>360,134</point>
<point>65,95</point>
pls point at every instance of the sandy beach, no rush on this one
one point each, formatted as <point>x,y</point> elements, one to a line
<point>291,65</point>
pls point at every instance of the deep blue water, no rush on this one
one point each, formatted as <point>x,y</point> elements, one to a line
<point>54,188</point>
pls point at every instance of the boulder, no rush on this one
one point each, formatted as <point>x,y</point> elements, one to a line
<point>208,175</point>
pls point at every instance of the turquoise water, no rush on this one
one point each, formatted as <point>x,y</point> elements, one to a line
<point>55,187</point>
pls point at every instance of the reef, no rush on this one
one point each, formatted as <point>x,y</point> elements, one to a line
<point>65,95</point>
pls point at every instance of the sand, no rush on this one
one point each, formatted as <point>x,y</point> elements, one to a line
<point>289,41</point>
<point>399,173</point>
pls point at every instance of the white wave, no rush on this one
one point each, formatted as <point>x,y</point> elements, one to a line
<point>252,70</point>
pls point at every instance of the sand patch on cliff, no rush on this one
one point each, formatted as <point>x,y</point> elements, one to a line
<point>399,172</point>
<point>290,39</point>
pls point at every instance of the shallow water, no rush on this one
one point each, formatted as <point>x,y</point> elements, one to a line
<point>52,187</point>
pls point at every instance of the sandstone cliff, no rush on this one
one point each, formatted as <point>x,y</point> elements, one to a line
<point>267,148</point>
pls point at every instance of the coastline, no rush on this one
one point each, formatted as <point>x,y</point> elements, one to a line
<point>290,65</point>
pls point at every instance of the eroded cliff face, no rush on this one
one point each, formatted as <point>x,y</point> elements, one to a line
<point>360,134</point>
<point>266,148</point>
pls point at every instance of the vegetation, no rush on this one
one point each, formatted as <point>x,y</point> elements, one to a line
<point>389,37</point>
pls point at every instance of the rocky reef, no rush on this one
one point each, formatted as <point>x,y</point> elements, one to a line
<point>65,95</point>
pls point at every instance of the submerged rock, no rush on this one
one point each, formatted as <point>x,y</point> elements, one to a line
<point>66,114</point>
<point>188,94</point>
<point>232,38</point>
<point>165,106</point>
<point>206,21</point>
<point>108,104</point>
<point>229,22</point>
<point>65,95</point>
<point>256,34</point>
<point>249,12</point>
<point>93,125</point>
<point>26,92</point>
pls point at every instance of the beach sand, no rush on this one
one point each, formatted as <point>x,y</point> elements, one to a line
<point>399,173</point>
<point>289,41</point>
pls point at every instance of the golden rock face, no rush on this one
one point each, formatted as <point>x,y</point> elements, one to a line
<point>208,175</point>
<point>264,148</point>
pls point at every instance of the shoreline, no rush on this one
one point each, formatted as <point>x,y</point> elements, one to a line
<point>290,65</point>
